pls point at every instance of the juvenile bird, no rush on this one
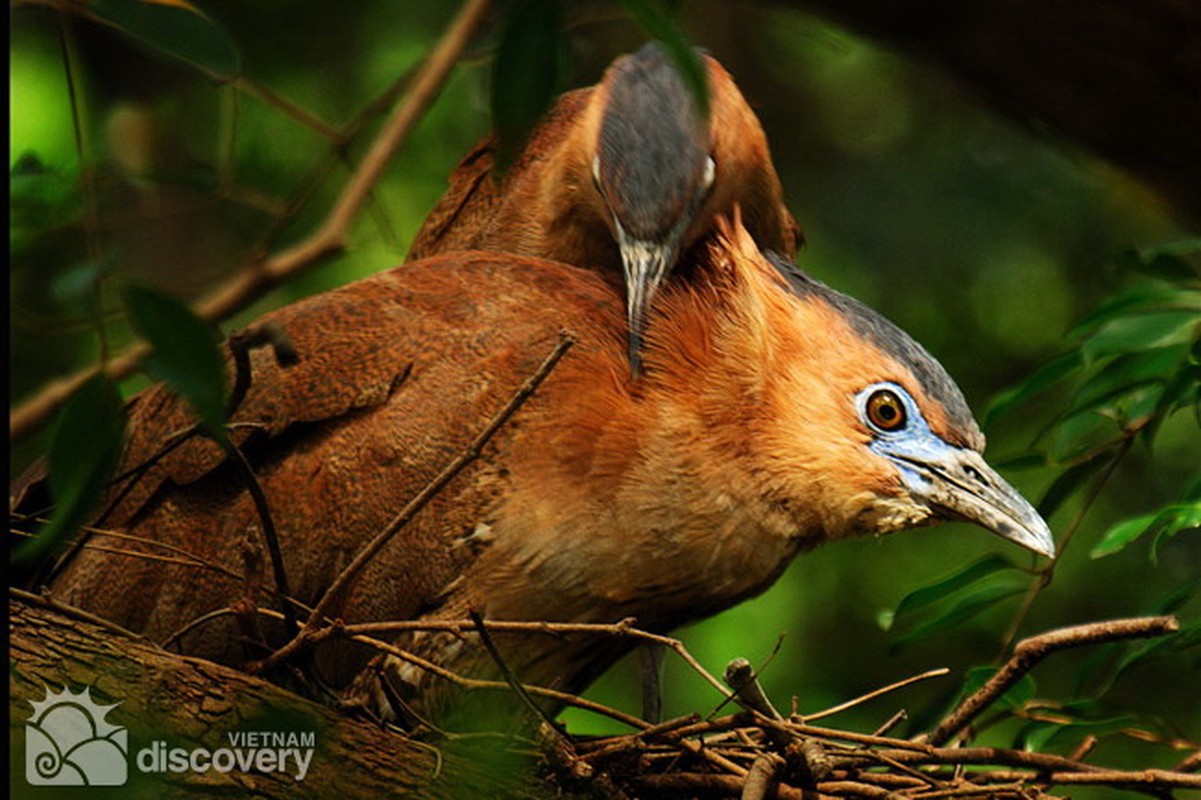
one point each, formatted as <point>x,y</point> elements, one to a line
<point>622,177</point>
<point>778,415</point>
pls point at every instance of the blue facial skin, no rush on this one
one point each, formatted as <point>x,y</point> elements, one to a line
<point>953,482</point>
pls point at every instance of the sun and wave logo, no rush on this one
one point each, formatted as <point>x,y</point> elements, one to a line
<point>68,742</point>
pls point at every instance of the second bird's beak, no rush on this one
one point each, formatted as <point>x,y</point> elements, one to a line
<point>957,483</point>
<point>645,263</point>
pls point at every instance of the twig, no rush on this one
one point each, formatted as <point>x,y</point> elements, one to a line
<point>692,784</point>
<point>463,682</point>
<point>263,509</point>
<point>538,711</point>
<point>893,721</point>
<point>262,274</point>
<point>431,489</point>
<point>872,695</point>
<point>1033,650</point>
<point>1047,573</point>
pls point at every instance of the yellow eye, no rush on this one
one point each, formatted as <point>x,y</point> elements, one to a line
<point>885,410</point>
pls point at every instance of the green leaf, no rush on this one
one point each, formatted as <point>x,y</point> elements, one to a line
<point>1081,435</point>
<point>1178,597</point>
<point>1143,332</point>
<point>1165,261</point>
<point>1014,697</point>
<point>1182,390</point>
<point>972,573</point>
<point>1129,371</point>
<point>1174,519</point>
<point>77,289</point>
<point>185,356</point>
<point>1042,735</point>
<point>527,73</point>
<point>1169,267</point>
<point>1122,534</point>
<point>1165,523</point>
<point>1043,379</point>
<point>968,607</point>
<point>176,28</point>
<point>1065,485</point>
<point>655,21</point>
<point>84,453</point>
<point>1138,299</point>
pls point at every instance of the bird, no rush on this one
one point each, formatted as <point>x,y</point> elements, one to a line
<point>622,177</point>
<point>775,415</point>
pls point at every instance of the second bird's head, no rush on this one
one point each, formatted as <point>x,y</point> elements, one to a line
<point>662,167</point>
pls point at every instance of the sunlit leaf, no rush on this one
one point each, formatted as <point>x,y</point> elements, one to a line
<point>185,356</point>
<point>972,605</point>
<point>84,453</point>
<point>527,72</point>
<point>1122,534</point>
<point>655,21</point>
<point>1143,332</point>
<point>178,29</point>
<point>976,571</point>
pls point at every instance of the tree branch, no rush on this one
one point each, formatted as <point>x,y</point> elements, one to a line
<point>1033,650</point>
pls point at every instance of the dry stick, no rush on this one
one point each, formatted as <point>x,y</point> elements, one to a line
<point>263,509</point>
<point>760,777</point>
<point>478,684</point>
<point>872,695</point>
<point>1033,650</point>
<point>259,276</point>
<point>538,711</point>
<point>364,557</point>
<point>186,559</point>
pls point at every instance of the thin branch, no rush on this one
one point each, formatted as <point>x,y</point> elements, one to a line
<point>538,711</point>
<point>872,695</point>
<point>1033,650</point>
<point>1047,573</point>
<point>431,489</point>
<point>263,508</point>
<point>262,274</point>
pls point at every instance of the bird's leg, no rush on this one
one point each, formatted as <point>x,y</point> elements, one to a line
<point>650,668</point>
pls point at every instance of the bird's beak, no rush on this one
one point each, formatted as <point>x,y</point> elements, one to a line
<point>645,263</point>
<point>957,483</point>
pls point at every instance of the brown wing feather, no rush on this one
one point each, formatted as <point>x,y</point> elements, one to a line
<point>397,373</point>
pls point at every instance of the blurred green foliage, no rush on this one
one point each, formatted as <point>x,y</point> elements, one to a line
<point>1036,274</point>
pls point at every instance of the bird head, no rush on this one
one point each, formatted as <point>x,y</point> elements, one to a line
<point>662,167</point>
<point>848,424</point>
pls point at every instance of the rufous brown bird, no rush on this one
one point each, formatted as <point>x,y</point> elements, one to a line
<point>621,177</point>
<point>775,415</point>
